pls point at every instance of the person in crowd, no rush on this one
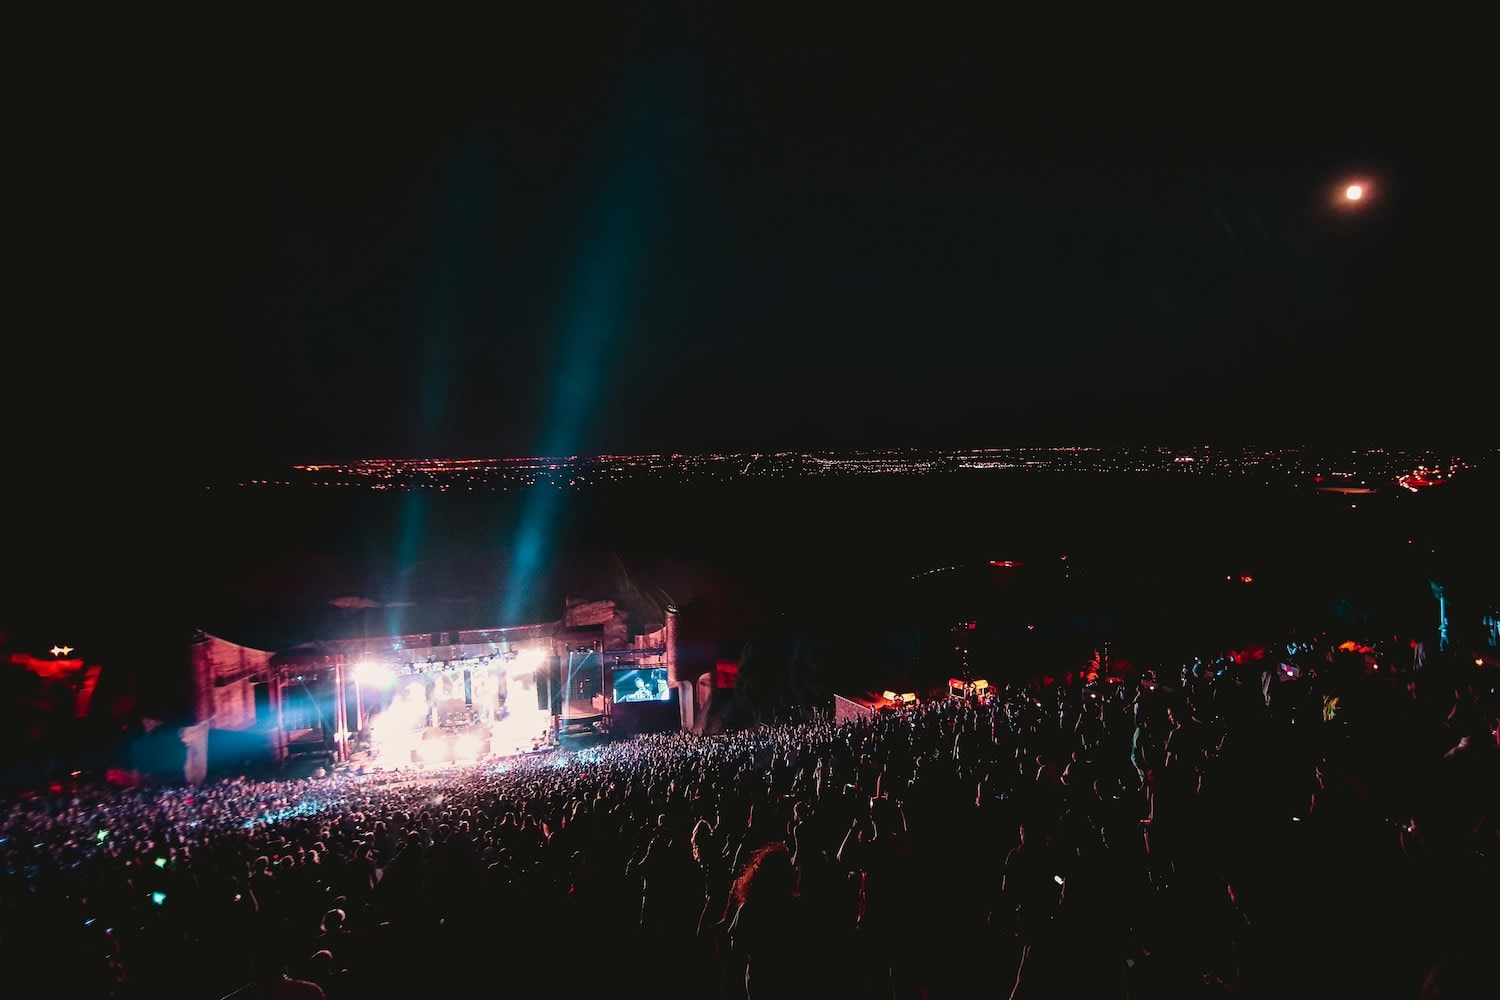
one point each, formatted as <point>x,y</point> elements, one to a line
<point>269,975</point>
<point>770,935</point>
<point>877,852</point>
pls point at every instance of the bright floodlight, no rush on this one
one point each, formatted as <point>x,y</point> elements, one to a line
<point>530,658</point>
<point>467,746</point>
<point>1354,192</point>
<point>374,674</point>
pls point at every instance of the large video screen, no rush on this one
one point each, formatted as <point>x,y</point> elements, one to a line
<point>641,684</point>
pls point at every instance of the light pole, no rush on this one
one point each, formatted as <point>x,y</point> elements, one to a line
<point>1437,591</point>
<point>340,711</point>
<point>359,703</point>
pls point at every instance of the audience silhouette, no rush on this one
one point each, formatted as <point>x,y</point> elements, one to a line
<point>1036,840</point>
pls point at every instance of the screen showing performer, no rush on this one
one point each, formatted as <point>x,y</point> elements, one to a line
<point>641,684</point>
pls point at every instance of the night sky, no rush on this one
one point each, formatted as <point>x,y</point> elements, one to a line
<point>635,229</point>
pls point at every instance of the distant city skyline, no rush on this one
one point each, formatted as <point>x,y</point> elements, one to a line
<point>1409,468</point>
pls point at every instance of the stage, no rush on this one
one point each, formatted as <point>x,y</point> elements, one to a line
<point>393,741</point>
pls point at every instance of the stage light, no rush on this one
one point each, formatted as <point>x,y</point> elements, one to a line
<point>374,674</point>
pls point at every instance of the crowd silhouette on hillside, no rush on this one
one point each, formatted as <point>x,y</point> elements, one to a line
<point>1300,822</point>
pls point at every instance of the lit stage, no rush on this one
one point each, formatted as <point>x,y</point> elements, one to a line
<point>435,720</point>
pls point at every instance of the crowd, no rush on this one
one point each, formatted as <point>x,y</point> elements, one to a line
<point>1302,823</point>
